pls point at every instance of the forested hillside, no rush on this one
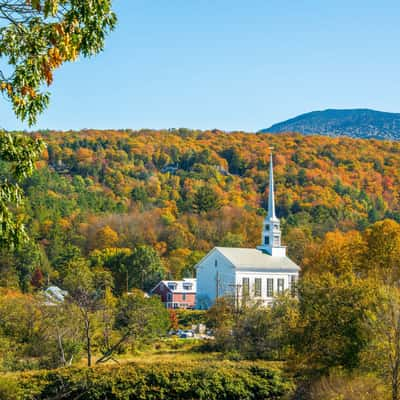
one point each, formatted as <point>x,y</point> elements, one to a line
<point>357,123</point>
<point>159,200</point>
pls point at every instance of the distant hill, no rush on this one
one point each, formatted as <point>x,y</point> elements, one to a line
<point>356,123</point>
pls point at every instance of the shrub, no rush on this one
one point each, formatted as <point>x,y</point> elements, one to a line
<point>221,380</point>
<point>187,318</point>
<point>342,387</point>
<point>9,389</point>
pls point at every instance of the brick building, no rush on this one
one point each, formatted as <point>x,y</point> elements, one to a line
<point>176,294</point>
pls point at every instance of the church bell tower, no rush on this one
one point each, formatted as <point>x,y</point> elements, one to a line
<point>271,232</point>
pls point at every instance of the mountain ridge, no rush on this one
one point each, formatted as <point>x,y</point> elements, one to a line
<point>361,123</point>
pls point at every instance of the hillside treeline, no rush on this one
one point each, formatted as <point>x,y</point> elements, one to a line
<point>162,199</point>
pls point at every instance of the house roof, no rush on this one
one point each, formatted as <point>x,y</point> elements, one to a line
<point>179,285</point>
<point>254,259</point>
<point>54,295</point>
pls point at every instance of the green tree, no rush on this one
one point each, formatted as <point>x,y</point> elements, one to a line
<point>333,321</point>
<point>36,37</point>
<point>221,317</point>
<point>144,268</point>
<point>61,339</point>
<point>138,319</point>
<point>382,356</point>
<point>205,200</point>
<point>19,154</point>
<point>86,290</point>
<point>115,260</point>
<point>382,257</point>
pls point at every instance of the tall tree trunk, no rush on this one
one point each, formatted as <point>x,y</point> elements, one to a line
<point>395,386</point>
<point>396,357</point>
<point>88,340</point>
<point>61,347</point>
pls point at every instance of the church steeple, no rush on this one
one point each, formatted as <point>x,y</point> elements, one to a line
<point>271,232</point>
<point>271,194</point>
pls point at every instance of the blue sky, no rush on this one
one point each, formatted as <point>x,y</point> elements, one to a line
<point>229,64</point>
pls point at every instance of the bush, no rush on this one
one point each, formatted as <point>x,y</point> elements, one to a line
<point>187,318</point>
<point>342,387</point>
<point>9,389</point>
<point>222,380</point>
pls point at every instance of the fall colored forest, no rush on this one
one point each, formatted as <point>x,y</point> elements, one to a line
<point>165,198</point>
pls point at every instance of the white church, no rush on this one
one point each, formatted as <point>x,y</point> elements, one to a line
<point>258,274</point>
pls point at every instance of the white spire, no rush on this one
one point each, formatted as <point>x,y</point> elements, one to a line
<point>271,232</point>
<point>271,194</point>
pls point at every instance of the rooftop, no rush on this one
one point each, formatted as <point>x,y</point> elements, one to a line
<point>187,285</point>
<point>248,259</point>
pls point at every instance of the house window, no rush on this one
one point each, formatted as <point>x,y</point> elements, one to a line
<point>281,285</point>
<point>245,287</point>
<point>270,287</point>
<point>172,286</point>
<point>257,287</point>
<point>169,297</point>
<point>266,240</point>
<point>187,286</point>
<point>184,296</point>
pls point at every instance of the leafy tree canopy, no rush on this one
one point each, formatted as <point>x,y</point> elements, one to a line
<point>38,36</point>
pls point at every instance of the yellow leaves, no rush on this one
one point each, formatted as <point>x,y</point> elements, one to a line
<point>47,73</point>
<point>59,29</point>
<point>338,253</point>
<point>4,86</point>
<point>48,7</point>
<point>55,58</point>
<point>51,7</point>
<point>18,101</point>
<point>34,3</point>
<point>64,224</point>
<point>106,237</point>
<point>58,54</point>
<point>28,91</point>
<point>84,155</point>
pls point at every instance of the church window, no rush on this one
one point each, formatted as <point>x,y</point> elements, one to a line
<point>276,226</point>
<point>270,287</point>
<point>257,287</point>
<point>245,287</point>
<point>267,227</point>
<point>276,240</point>
<point>266,240</point>
<point>281,285</point>
<point>216,263</point>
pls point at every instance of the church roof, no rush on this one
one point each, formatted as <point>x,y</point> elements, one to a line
<point>253,259</point>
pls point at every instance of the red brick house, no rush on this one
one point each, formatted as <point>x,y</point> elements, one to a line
<point>176,294</point>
